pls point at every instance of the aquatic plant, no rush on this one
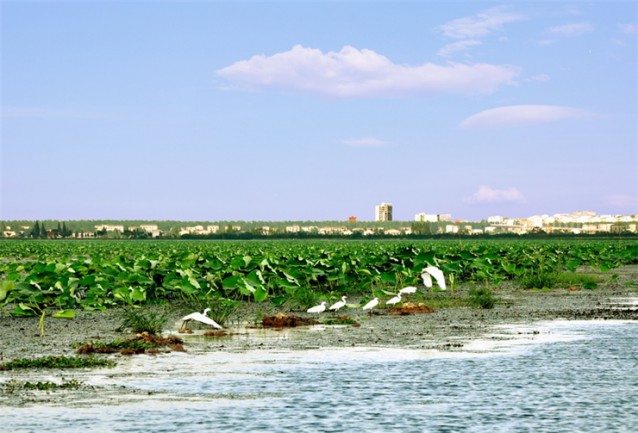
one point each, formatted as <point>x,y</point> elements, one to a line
<point>37,278</point>
<point>151,320</point>
<point>57,362</point>
<point>482,297</point>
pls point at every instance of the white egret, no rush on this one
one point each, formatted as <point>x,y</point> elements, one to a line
<point>318,308</point>
<point>394,300</point>
<point>337,305</point>
<point>370,305</point>
<point>408,290</point>
<point>433,271</point>
<point>199,317</point>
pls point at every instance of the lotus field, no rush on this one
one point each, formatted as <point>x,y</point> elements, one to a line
<point>56,277</point>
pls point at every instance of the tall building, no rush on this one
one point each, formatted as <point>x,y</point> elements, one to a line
<point>383,212</point>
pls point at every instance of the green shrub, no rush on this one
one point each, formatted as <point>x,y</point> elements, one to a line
<point>539,280</point>
<point>482,297</point>
<point>144,320</point>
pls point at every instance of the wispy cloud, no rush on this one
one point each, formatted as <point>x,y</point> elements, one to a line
<point>364,142</point>
<point>627,28</point>
<point>521,115</point>
<point>488,195</point>
<point>571,29</point>
<point>351,73</point>
<point>479,25</point>
<point>458,46</point>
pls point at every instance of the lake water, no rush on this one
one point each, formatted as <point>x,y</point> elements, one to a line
<point>561,376</point>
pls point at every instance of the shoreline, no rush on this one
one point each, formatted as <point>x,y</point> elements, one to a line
<point>444,329</point>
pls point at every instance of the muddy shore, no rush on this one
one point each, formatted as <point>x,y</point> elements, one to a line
<point>444,329</point>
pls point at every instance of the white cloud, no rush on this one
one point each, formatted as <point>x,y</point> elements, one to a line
<point>627,28</point>
<point>365,142</point>
<point>571,29</point>
<point>359,73</point>
<point>521,115</point>
<point>454,47</point>
<point>480,24</point>
<point>488,195</point>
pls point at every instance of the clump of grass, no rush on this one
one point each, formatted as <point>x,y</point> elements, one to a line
<point>139,320</point>
<point>57,362</point>
<point>222,310</point>
<point>438,300</point>
<point>482,297</point>
<point>539,279</point>
<point>586,281</point>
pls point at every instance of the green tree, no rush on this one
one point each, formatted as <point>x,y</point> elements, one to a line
<point>35,233</point>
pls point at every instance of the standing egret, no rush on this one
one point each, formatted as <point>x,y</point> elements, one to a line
<point>408,290</point>
<point>394,300</point>
<point>370,305</point>
<point>199,317</point>
<point>337,305</point>
<point>433,271</point>
<point>319,308</point>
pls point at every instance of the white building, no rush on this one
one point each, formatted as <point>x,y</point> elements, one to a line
<point>383,212</point>
<point>424,217</point>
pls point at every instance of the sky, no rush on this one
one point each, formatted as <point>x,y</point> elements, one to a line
<point>315,111</point>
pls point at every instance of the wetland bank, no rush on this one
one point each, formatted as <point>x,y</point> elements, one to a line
<point>337,374</point>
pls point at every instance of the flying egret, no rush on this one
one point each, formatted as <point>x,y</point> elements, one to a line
<point>337,305</point>
<point>318,308</point>
<point>394,300</point>
<point>433,271</point>
<point>199,317</point>
<point>370,305</point>
<point>408,290</point>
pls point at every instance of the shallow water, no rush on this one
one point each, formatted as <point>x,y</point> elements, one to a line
<point>546,377</point>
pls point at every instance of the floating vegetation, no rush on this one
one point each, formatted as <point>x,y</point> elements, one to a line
<point>142,343</point>
<point>14,385</point>
<point>341,320</point>
<point>57,362</point>
<point>286,321</point>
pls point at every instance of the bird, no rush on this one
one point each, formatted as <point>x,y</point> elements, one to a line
<point>339,304</point>
<point>408,290</point>
<point>370,305</point>
<point>199,317</point>
<point>394,300</point>
<point>433,271</point>
<point>318,308</point>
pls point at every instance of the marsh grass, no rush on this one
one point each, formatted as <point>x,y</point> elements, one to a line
<point>15,386</point>
<point>482,297</point>
<point>138,320</point>
<point>538,279</point>
<point>57,362</point>
<point>587,281</point>
<point>222,310</point>
<point>549,280</point>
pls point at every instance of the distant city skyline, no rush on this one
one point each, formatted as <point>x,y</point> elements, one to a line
<point>275,111</point>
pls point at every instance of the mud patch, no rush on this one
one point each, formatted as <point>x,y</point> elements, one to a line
<point>286,321</point>
<point>134,346</point>
<point>411,308</point>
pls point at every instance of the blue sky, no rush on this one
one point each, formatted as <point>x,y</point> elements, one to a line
<point>317,110</point>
